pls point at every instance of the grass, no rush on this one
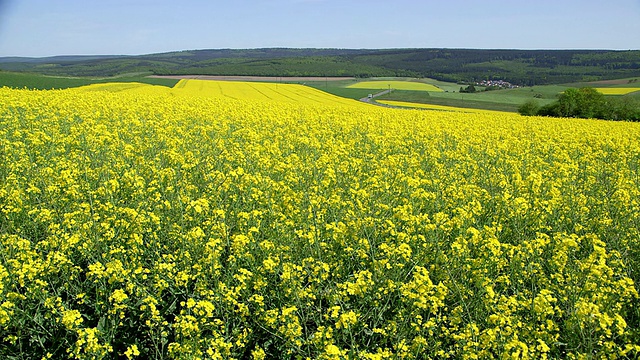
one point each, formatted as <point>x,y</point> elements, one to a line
<point>624,82</point>
<point>500,100</point>
<point>460,100</point>
<point>404,104</point>
<point>43,82</point>
<point>506,99</point>
<point>339,88</point>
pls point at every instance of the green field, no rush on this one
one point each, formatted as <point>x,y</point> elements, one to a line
<point>43,82</point>
<point>449,95</point>
<point>504,99</point>
<point>500,100</point>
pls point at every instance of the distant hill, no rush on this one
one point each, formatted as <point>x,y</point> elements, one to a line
<point>56,59</point>
<point>523,67</point>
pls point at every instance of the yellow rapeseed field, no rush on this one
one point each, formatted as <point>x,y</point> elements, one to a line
<point>395,84</point>
<point>210,222</point>
<point>617,90</point>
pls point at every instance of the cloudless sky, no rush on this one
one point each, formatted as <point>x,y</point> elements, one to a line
<point>119,27</point>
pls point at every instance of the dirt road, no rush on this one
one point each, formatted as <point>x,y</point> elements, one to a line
<point>369,99</point>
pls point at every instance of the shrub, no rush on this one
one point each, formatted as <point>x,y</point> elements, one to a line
<point>529,108</point>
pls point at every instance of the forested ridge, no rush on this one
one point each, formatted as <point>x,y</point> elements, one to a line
<point>523,67</point>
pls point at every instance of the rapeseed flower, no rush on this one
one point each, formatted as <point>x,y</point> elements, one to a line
<point>205,220</point>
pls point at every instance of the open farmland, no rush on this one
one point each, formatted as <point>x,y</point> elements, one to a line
<point>287,93</point>
<point>234,220</point>
<point>235,90</point>
<point>394,84</point>
<point>405,104</point>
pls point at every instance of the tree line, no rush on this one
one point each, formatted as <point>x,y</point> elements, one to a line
<point>586,103</point>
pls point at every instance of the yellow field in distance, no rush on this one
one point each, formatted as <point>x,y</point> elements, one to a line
<point>617,90</point>
<point>237,90</point>
<point>397,85</point>
<point>435,107</point>
<point>119,86</point>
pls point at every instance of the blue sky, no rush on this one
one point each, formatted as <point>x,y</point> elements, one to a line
<point>88,27</point>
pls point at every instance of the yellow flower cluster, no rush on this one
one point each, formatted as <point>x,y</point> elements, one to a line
<point>235,220</point>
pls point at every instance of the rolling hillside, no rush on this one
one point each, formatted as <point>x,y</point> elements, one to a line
<point>523,67</point>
